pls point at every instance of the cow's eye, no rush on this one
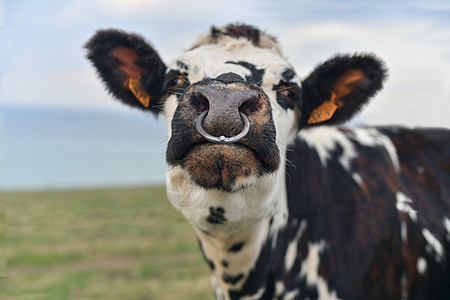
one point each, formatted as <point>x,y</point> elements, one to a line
<point>175,82</point>
<point>289,93</point>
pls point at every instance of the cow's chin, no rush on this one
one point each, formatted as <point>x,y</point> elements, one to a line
<point>220,166</point>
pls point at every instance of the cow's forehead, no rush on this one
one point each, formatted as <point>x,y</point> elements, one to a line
<point>233,55</point>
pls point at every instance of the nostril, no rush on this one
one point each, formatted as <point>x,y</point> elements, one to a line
<point>200,102</point>
<point>250,106</point>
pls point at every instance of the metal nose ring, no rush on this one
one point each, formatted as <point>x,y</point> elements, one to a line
<point>222,139</point>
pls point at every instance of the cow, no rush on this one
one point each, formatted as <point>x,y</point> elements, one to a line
<point>286,201</point>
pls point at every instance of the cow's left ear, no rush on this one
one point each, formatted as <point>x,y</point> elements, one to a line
<point>131,69</point>
<point>338,88</point>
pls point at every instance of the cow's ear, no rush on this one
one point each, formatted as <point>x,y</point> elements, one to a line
<point>131,69</point>
<point>338,88</point>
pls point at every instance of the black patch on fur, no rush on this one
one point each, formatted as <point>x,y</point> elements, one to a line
<point>225,263</point>
<point>285,83</point>
<point>288,74</point>
<point>216,215</point>
<point>236,247</point>
<point>232,279</point>
<point>257,74</point>
<point>209,262</point>
<point>250,33</point>
<point>283,101</point>
<point>239,30</point>
<point>204,231</point>
<point>182,65</point>
<point>179,89</point>
<point>230,78</point>
<point>261,275</point>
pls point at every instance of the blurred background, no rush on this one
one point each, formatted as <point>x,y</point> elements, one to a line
<point>59,129</point>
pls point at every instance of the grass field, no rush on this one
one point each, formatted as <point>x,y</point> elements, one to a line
<point>99,244</point>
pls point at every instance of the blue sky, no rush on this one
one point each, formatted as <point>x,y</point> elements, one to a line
<point>42,61</point>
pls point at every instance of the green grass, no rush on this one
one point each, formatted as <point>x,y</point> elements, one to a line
<point>100,244</point>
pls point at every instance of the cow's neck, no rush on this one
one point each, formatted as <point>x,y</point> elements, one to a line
<point>233,256</point>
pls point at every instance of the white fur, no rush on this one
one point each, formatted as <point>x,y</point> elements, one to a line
<point>372,138</point>
<point>292,295</point>
<point>447,228</point>
<point>403,205</point>
<point>325,140</point>
<point>261,196</point>
<point>404,286</point>
<point>434,245</point>
<point>421,265</point>
<point>310,270</point>
<point>322,139</point>
<point>291,252</point>
<point>403,231</point>
<point>217,288</point>
<point>241,208</point>
<point>215,249</point>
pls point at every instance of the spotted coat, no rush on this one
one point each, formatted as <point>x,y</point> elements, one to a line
<point>287,204</point>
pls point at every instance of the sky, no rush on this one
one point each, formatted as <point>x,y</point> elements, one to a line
<point>43,67</point>
<point>42,60</point>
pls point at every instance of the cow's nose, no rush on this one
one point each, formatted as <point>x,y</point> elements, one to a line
<point>224,109</point>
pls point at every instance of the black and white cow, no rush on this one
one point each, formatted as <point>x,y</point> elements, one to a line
<point>285,204</point>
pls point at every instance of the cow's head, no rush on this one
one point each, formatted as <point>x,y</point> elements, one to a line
<point>232,103</point>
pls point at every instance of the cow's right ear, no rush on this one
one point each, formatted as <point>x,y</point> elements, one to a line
<point>131,69</point>
<point>340,87</point>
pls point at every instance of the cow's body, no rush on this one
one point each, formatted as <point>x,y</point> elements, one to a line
<point>283,208</point>
<point>365,220</point>
<point>372,204</point>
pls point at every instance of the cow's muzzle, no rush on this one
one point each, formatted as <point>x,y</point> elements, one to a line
<point>223,135</point>
<point>222,138</point>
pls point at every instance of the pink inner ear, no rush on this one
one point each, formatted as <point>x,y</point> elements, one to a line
<point>128,58</point>
<point>347,82</point>
<point>133,73</point>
